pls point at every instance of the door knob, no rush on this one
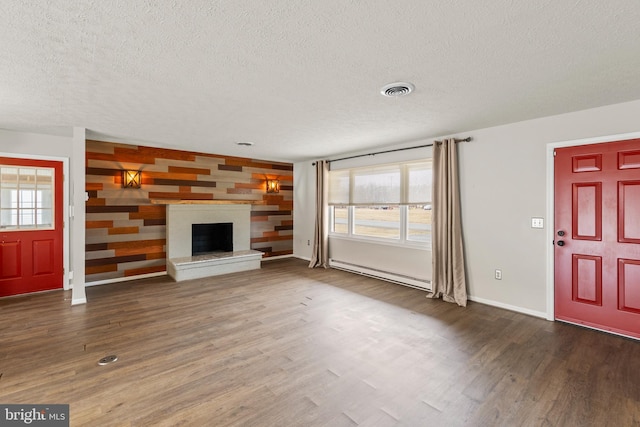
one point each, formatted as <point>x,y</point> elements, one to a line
<point>560,242</point>
<point>560,233</point>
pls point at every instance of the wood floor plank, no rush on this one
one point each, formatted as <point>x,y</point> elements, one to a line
<point>291,346</point>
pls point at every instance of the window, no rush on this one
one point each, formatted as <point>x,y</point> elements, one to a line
<point>386,202</point>
<point>26,198</point>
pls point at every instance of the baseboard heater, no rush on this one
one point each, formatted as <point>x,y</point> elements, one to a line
<point>400,279</point>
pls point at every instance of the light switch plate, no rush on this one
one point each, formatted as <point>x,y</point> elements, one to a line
<point>537,222</point>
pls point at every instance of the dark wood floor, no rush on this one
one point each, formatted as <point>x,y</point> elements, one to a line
<point>289,346</point>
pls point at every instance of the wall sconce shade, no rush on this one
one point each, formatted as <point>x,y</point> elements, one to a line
<point>131,179</point>
<point>273,186</point>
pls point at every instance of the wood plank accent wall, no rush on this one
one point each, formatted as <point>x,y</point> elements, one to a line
<point>125,233</point>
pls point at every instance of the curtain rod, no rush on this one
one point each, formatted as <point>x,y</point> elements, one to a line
<point>467,139</point>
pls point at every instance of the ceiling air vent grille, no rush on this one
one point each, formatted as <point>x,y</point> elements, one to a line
<point>394,90</point>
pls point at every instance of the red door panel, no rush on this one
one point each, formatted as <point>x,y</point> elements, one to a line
<point>629,212</point>
<point>587,279</point>
<point>10,256</point>
<point>629,285</point>
<point>587,205</point>
<point>43,257</point>
<point>31,260</point>
<point>597,251</point>
<point>629,159</point>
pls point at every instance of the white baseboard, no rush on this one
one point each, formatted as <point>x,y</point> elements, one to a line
<point>272,258</point>
<point>302,257</point>
<point>125,279</point>
<point>509,307</point>
<point>412,282</point>
<point>78,301</point>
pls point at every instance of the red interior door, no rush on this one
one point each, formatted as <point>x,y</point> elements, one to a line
<point>31,223</point>
<point>597,236</point>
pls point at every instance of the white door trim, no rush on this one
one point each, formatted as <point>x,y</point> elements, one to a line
<point>66,282</point>
<point>551,208</point>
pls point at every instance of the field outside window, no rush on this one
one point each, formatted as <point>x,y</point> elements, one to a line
<point>377,221</point>
<point>340,216</point>
<point>419,223</point>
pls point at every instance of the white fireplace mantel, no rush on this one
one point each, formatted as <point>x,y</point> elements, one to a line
<point>180,263</point>
<point>181,217</point>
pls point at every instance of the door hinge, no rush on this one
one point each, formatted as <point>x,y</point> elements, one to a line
<point>554,153</point>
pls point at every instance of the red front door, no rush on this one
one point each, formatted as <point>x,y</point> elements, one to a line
<point>597,236</point>
<point>31,223</point>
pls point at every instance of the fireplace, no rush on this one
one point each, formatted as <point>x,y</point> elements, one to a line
<point>209,239</point>
<point>213,237</point>
<point>181,219</point>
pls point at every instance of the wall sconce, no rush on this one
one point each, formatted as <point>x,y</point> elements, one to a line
<point>131,179</point>
<point>273,186</point>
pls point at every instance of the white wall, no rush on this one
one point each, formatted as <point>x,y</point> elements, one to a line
<point>78,220</point>
<point>60,148</point>
<point>503,185</point>
<point>34,144</point>
<point>400,260</point>
<point>304,208</point>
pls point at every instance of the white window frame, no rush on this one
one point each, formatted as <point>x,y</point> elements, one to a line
<point>16,195</point>
<point>403,240</point>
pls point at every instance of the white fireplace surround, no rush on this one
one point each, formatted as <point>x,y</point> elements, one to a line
<point>181,265</point>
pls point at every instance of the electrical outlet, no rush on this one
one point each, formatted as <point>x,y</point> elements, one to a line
<point>537,222</point>
<point>308,242</point>
<point>498,274</point>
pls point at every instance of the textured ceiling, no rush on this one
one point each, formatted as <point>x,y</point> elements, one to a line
<point>301,78</point>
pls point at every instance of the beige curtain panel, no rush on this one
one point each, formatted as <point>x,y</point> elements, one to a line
<point>320,254</point>
<point>449,281</point>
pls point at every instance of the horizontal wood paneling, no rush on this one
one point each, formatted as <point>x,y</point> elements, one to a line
<point>180,195</point>
<point>110,209</point>
<point>99,224</point>
<point>97,269</point>
<point>184,182</point>
<point>126,233</point>
<point>144,270</point>
<point>196,171</point>
<point>124,230</point>
<point>94,186</point>
<point>230,168</point>
<point>114,260</point>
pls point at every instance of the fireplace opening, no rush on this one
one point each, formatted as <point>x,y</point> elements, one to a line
<point>207,238</point>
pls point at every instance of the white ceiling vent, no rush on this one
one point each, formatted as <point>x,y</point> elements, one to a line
<point>394,90</point>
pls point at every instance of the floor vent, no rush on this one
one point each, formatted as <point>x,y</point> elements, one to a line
<point>108,359</point>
